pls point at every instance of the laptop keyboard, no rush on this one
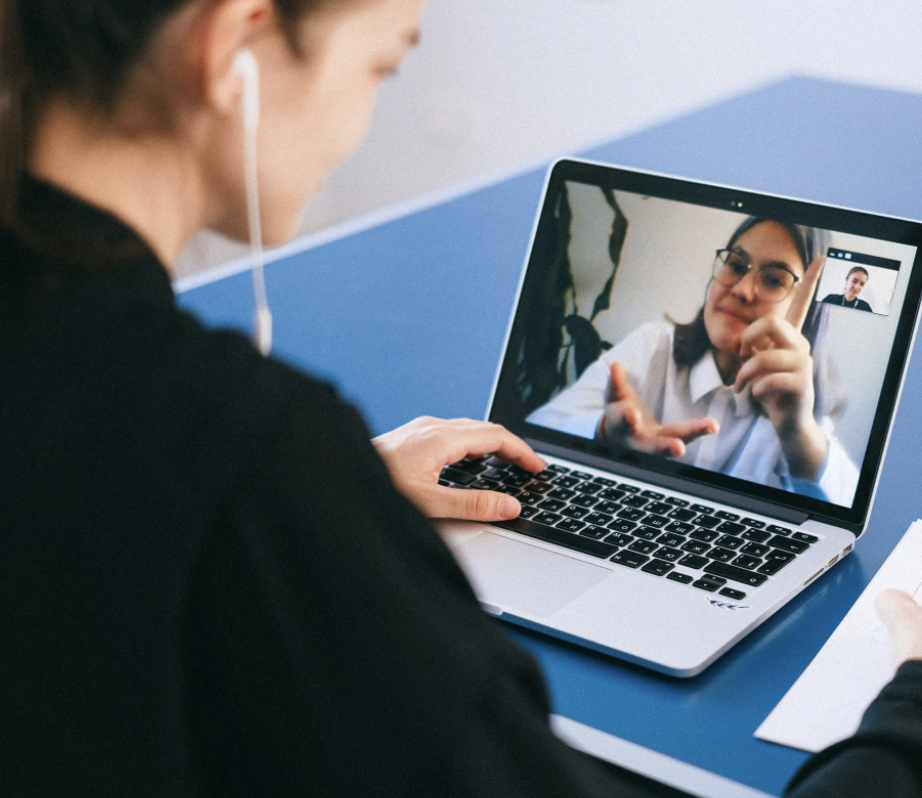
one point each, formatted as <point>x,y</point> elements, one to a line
<point>649,530</point>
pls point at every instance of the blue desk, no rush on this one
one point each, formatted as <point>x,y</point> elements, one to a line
<point>408,317</point>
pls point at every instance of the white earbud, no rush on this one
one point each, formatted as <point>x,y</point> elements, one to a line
<point>246,65</point>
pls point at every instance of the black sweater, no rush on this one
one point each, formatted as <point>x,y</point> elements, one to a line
<point>209,585</point>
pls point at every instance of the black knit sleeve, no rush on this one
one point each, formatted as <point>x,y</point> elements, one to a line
<point>884,757</point>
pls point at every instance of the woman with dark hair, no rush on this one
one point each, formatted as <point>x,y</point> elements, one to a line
<point>733,391</point>
<point>210,585</point>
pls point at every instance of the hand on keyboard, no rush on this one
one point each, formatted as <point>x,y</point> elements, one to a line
<point>416,453</point>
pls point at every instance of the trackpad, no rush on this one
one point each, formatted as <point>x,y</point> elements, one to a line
<point>518,576</point>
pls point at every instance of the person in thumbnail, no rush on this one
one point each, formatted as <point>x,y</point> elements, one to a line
<point>733,391</point>
<point>855,280</point>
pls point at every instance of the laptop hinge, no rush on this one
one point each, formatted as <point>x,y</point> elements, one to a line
<point>732,498</point>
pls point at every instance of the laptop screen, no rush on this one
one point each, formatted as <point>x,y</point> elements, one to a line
<point>751,343</point>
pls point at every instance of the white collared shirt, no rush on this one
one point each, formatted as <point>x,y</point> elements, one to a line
<point>746,446</point>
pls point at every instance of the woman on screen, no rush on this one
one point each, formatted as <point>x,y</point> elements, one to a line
<point>211,585</point>
<point>734,391</point>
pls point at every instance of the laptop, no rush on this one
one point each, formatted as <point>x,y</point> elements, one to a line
<point>711,374</point>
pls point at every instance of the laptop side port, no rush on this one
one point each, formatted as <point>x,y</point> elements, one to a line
<point>814,576</point>
<point>833,561</point>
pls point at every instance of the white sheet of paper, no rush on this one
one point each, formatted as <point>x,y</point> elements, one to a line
<point>826,703</point>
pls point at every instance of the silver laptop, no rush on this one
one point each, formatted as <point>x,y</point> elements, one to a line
<point>711,374</point>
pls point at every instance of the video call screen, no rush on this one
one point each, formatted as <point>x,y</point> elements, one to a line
<point>770,370</point>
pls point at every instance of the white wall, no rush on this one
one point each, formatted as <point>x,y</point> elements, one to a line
<point>501,84</point>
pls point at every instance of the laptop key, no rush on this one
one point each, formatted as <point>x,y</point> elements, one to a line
<point>671,539</point>
<point>581,475</point>
<point>595,532</point>
<point>458,477</point>
<point>643,546</point>
<point>696,547</point>
<point>758,535</point>
<point>566,482</point>
<point>682,527</point>
<point>646,532</point>
<point>559,469</point>
<point>658,508</point>
<point>753,523</point>
<point>803,537</point>
<point>612,495</point>
<point>678,576</point>
<point>570,525</point>
<point>736,595</point>
<point>707,521</point>
<point>778,530</point>
<point>721,555</point>
<point>517,480</point>
<point>731,528</point>
<point>657,567</point>
<point>561,493</point>
<point>546,517</point>
<point>585,500</point>
<point>594,548</point>
<point>631,513</point>
<point>607,507</point>
<point>755,549</point>
<point>605,481</point>
<point>735,574</point>
<point>729,542</point>
<point>682,514</point>
<point>702,508</point>
<point>727,516</point>
<point>670,554</point>
<point>694,561</point>
<point>707,584</point>
<point>748,562</point>
<point>552,505</point>
<point>771,567</point>
<point>675,501</point>
<point>589,488</point>
<point>656,521</point>
<point>628,488</point>
<point>574,512</point>
<point>530,498</point>
<point>622,525</point>
<point>634,501</point>
<point>789,544</point>
<point>528,512</point>
<point>600,519</point>
<point>630,559</point>
<point>619,539</point>
<point>707,535</point>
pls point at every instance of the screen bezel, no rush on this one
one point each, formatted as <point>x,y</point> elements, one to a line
<point>506,410</point>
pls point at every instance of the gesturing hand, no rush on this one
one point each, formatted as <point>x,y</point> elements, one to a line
<point>416,453</point>
<point>626,420</point>
<point>778,367</point>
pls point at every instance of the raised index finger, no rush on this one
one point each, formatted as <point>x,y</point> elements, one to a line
<point>803,296</point>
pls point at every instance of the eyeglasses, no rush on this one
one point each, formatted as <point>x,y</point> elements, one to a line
<point>773,282</point>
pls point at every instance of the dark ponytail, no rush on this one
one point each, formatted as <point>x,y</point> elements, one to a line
<point>12,133</point>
